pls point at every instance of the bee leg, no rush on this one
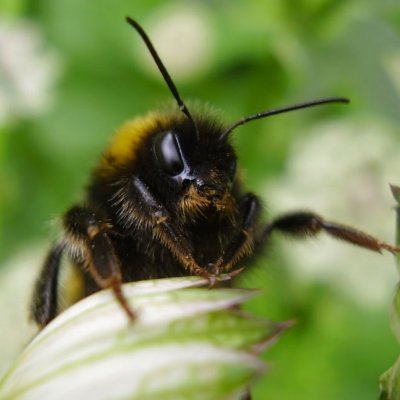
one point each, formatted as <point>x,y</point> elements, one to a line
<point>165,230</point>
<point>44,304</point>
<point>87,235</point>
<point>308,224</point>
<point>242,244</point>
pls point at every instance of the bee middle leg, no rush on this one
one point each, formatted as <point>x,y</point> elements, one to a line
<point>242,244</point>
<point>88,242</point>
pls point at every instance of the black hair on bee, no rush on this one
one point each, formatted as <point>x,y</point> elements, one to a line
<point>165,201</point>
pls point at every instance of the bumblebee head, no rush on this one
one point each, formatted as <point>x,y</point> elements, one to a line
<point>196,166</point>
<point>189,168</point>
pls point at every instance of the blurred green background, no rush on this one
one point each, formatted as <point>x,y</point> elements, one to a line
<point>71,72</point>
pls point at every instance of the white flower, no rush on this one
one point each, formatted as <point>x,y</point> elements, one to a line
<point>27,70</point>
<point>186,342</point>
<point>342,171</point>
<point>183,37</point>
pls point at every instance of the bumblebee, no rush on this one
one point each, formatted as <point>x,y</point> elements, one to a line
<point>164,201</point>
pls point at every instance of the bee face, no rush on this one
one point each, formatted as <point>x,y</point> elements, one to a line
<point>199,167</point>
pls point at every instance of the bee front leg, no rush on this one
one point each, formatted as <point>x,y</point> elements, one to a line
<point>308,224</point>
<point>242,244</point>
<point>147,212</point>
<point>88,243</point>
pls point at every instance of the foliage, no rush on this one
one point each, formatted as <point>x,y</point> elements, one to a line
<point>253,55</point>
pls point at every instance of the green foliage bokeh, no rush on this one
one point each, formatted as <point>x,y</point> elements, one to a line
<point>264,54</point>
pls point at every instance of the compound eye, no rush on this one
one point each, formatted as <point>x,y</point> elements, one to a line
<point>168,154</point>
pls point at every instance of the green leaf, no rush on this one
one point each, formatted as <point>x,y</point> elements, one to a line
<point>396,194</point>
<point>395,306</point>
<point>389,382</point>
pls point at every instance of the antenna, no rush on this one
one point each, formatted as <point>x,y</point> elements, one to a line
<point>293,107</point>
<point>163,70</point>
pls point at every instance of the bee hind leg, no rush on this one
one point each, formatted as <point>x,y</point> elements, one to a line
<point>44,304</point>
<point>308,224</point>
